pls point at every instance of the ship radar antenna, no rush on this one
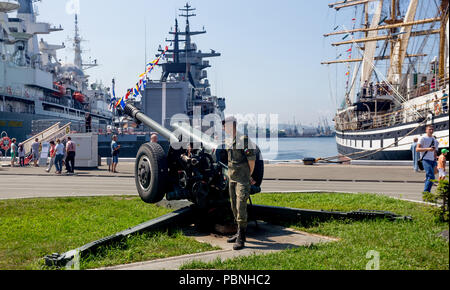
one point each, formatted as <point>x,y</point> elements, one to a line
<point>77,45</point>
<point>187,12</point>
<point>78,59</point>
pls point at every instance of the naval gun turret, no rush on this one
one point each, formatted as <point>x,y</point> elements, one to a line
<point>185,171</point>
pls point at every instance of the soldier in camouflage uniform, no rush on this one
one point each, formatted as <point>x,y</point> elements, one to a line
<point>241,163</point>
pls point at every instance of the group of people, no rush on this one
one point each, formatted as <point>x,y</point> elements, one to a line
<point>58,153</point>
<point>369,90</point>
<point>425,151</point>
<point>17,151</point>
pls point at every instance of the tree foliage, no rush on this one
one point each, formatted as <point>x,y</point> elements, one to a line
<point>439,197</point>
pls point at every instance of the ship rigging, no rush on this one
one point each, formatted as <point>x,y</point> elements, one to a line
<point>397,75</point>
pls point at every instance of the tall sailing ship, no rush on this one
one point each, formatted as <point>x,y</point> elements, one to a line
<point>397,78</point>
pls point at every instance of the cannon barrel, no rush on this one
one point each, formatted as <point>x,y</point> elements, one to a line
<point>181,129</point>
<point>135,113</point>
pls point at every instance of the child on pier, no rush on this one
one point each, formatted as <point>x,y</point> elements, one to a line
<point>441,164</point>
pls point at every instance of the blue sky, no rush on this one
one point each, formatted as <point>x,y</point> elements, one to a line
<point>271,50</point>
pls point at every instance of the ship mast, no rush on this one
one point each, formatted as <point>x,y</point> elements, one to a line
<point>176,51</point>
<point>77,46</point>
<point>370,47</point>
<point>443,39</point>
<point>393,21</point>
<point>78,60</point>
<point>184,57</point>
<point>187,13</point>
<point>399,31</point>
<point>400,46</point>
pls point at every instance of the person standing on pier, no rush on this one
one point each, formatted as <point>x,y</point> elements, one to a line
<point>441,164</point>
<point>21,155</point>
<point>427,148</point>
<point>241,164</point>
<point>415,154</point>
<point>13,152</point>
<point>35,151</point>
<point>59,150</point>
<point>115,151</point>
<point>52,156</point>
<point>71,152</point>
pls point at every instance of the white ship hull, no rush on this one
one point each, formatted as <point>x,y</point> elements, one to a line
<point>393,142</point>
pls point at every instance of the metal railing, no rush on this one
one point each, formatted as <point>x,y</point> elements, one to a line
<point>372,121</point>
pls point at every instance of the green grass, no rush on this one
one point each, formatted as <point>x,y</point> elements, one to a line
<point>402,245</point>
<point>33,228</point>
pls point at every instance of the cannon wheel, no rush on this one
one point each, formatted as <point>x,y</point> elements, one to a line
<point>258,173</point>
<point>151,172</point>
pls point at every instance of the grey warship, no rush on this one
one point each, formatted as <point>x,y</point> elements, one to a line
<point>182,87</point>
<point>36,89</point>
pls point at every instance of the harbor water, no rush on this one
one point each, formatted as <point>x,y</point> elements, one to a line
<point>290,149</point>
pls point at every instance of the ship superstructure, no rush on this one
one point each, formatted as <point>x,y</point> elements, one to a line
<point>35,85</point>
<point>182,89</point>
<point>397,78</point>
<point>184,83</point>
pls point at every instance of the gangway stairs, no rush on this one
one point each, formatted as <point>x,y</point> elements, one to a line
<point>50,134</point>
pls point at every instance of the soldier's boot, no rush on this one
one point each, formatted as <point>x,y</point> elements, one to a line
<point>240,241</point>
<point>233,239</point>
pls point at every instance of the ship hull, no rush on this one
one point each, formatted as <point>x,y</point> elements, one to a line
<point>17,125</point>
<point>397,140</point>
<point>397,155</point>
<point>20,125</point>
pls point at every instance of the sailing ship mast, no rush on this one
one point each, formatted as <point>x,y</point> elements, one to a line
<point>399,31</point>
<point>443,40</point>
<point>399,77</point>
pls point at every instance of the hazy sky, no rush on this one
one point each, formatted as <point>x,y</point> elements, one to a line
<point>271,50</point>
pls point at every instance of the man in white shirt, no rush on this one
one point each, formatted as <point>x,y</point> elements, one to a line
<point>428,147</point>
<point>59,156</point>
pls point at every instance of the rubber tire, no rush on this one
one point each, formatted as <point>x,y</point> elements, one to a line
<point>258,172</point>
<point>157,163</point>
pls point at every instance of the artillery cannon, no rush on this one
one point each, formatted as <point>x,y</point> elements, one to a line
<point>185,172</point>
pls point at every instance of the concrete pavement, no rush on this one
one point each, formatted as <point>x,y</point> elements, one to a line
<point>281,172</point>
<point>400,182</point>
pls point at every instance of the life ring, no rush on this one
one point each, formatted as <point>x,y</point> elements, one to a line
<point>437,109</point>
<point>5,143</point>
